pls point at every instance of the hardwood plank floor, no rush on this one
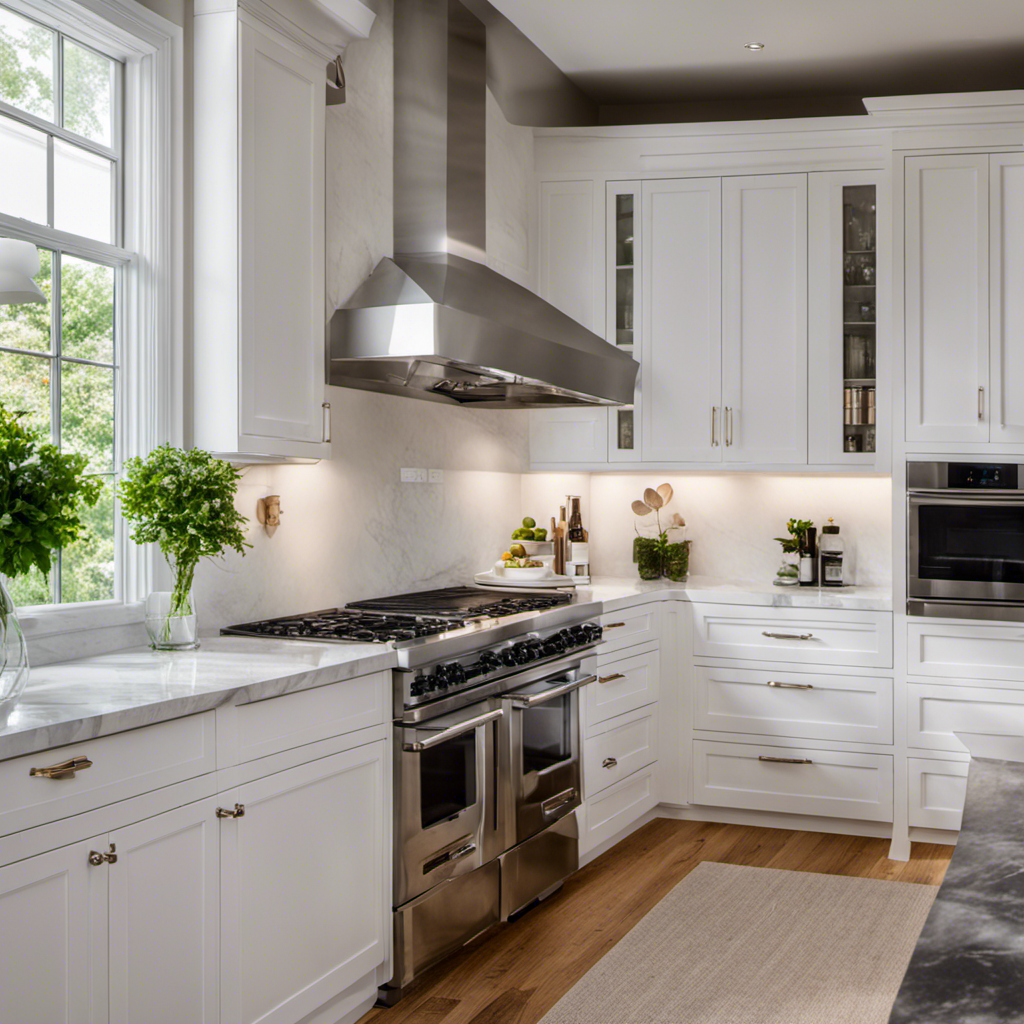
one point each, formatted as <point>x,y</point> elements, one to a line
<point>519,971</point>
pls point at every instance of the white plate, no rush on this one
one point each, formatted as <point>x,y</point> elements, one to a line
<point>490,579</point>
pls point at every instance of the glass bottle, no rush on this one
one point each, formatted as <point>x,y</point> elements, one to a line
<point>576,531</point>
<point>830,555</point>
<point>809,558</point>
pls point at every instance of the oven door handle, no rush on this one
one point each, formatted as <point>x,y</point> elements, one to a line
<point>968,498</point>
<point>452,731</point>
<point>556,691</point>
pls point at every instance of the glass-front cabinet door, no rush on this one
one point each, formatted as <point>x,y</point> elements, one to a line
<point>847,312</point>
<point>623,307</point>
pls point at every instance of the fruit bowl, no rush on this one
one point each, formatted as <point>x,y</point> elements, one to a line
<point>537,547</point>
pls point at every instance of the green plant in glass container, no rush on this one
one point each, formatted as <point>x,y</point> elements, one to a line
<point>789,572</point>
<point>183,501</point>
<point>42,494</point>
<point>658,556</point>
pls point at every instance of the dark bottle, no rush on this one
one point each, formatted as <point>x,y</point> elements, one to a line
<point>576,531</point>
<point>809,558</point>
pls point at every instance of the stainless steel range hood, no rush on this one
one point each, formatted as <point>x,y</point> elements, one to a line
<point>435,322</point>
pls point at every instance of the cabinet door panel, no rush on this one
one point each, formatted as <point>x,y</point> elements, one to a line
<point>281,250</point>
<point>764,318</point>
<point>1007,297</point>
<point>947,255</point>
<point>53,914</point>
<point>682,327</point>
<point>302,886</point>
<point>165,918</point>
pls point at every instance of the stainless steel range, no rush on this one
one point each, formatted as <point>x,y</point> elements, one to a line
<point>486,753</point>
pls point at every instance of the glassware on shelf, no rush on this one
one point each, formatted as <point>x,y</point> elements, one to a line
<point>624,433</point>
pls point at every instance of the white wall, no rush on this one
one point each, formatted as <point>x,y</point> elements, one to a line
<point>732,518</point>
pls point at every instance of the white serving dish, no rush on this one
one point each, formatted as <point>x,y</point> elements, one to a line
<point>536,572</point>
<point>493,579</point>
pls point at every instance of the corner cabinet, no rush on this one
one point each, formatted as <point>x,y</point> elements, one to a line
<point>260,318</point>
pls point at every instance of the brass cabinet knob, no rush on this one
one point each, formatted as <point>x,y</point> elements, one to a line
<point>227,812</point>
<point>64,770</point>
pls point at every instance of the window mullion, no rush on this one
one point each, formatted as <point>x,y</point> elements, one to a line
<point>55,377</point>
<point>58,80</point>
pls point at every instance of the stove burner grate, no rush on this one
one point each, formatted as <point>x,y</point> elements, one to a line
<point>350,625</point>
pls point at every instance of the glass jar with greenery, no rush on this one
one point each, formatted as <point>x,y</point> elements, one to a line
<point>788,574</point>
<point>659,556</point>
<point>42,494</point>
<point>183,501</point>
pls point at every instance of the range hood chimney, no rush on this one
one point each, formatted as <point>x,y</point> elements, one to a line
<point>435,322</point>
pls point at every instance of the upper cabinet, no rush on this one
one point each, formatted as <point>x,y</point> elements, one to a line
<point>260,74</point>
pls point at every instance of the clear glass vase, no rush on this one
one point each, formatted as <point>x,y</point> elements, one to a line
<point>171,629</point>
<point>13,654</point>
<point>789,571</point>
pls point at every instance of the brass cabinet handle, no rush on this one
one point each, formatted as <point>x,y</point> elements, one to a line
<point>326,407</point>
<point>790,686</point>
<point>110,857</point>
<point>981,403</point>
<point>226,812</point>
<point>714,417</point>
<point>611,678</point>
<point>785,760</point>
<point>64,770</point>
<point>609,762</point>
<point>727,426</point>
<point>788,636</point>
<point>614,625</point>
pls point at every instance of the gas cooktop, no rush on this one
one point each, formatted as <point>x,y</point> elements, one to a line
<point>401,618</point>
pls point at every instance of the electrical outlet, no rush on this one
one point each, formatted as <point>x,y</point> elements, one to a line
<point>437,476</point>
<point>413,476</point>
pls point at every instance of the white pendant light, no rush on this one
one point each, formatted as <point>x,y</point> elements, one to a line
<point>19,263</point>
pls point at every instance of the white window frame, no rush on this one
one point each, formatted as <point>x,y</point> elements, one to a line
<point>150,403</point>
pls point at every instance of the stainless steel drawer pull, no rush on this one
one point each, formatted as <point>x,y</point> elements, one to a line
<point>452,731</point>
<point>614,625</point>
<point>609,762</point>
<point>611,678</point>
<point>552,804</point>
<point>785,760</point>
<point>522,701</point>
<point>110,857</point>
<point>64,770</point>
<point>226,812</point>
<point>788,636</point>
<point>790,686</point>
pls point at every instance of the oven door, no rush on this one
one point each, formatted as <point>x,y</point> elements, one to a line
<point>544,749</point>
<point>446,811</point>
<point>965,548</point>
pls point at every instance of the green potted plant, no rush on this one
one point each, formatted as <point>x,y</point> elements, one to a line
<point>789,571</point>
<point>183,501</point>
<point>42,493</point>
<point>658,556</point>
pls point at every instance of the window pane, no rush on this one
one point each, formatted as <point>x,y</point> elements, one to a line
<point>87,566</point>
<point>22,170</point>
<point>32,588</point>
<point>25,387</point>
<point>87,413</point>
<point>88,91</point>
<point>83,191</point>
<point>26,64</point>
<point>27,325</point>
<point>87,310</point>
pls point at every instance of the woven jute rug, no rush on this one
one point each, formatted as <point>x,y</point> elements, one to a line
<point>741,945</point>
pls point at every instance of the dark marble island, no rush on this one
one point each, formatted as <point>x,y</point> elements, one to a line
<point>968,966</point>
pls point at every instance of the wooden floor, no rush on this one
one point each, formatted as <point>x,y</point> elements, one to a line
<point>519,971</point>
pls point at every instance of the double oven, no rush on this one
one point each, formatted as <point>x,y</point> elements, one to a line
<point>487,781</point>
<point>965,551</point>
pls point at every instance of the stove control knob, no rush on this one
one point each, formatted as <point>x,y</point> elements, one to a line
<point>508,656</point>
<point>418,687</point>
<point>456,674</point>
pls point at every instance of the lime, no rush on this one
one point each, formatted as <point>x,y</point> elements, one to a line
<point>518,551</point>
<point>540,533</point>
<point>529,522</point>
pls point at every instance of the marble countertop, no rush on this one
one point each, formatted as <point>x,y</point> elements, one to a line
<point>75,700</point>
<point>969,962</point>
<point>78,700</point>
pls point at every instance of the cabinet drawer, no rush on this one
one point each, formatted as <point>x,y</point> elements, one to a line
<point>124,765</point>
<point>937,792</point>
<point>770,702</point>
<point>249,731</point>
<point>629,628</point>
<point>624,745</point>
<point>617,807</point>
<point>624,684</point>
<point>838,784</point>
<point>794,635</point>
<point>937,710</point>
<point>966,652</point>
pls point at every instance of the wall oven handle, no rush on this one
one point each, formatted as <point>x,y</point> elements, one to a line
<point>556,691</point>
<point>965,497</point>
<point>450,733</point>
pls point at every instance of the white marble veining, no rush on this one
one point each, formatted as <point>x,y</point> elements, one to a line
<point>79,700</point>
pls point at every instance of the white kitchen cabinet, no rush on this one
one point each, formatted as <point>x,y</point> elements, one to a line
<point>612,811</point>
<point>681,365</point>
<point>938,790</point>
<point>53,923</point>
<point>764,318</point>
<point>303,887</point>
<point>164,912</point>
<point>947,298</point>
<point>260,318</point>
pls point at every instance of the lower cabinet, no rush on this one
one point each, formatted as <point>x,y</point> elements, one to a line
<point>937,792</point>
<point>616,808</point>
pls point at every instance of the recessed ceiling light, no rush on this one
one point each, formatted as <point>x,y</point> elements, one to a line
<point>753,46</point>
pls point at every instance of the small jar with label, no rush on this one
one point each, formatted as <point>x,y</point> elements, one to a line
<point>830,554</point>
